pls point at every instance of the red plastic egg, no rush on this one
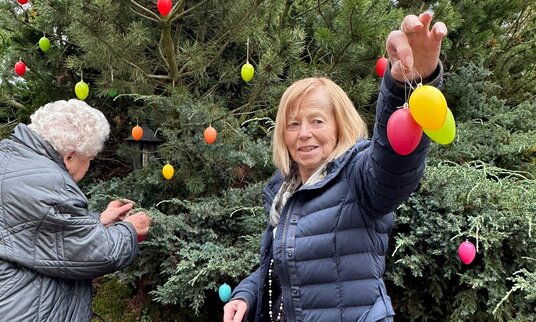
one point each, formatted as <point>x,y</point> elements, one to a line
<point>137,133</point>
<point>20,68</point>
<point>403,133</point>
<point>23,1</point>
<point>381,64</point>
<point>210,135</point>
<point>467,252</point>
<point>164,7</point>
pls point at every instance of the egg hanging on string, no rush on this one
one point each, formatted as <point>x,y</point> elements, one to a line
<point>20,68</point>
<point>164,7</point>
<point>168,171</point>
<point>81,90</point>
<point>137,133</point>
<point>210,135</point>
<point>467,252</point>
<point>224,292</point>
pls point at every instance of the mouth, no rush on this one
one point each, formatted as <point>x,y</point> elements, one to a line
<point>308,148</point>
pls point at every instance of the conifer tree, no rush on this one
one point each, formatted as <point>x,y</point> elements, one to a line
<point>180,73</point>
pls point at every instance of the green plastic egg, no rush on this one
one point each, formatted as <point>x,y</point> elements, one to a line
<point>247,72</point>
<point>44,44</point>
<point>81,90</point>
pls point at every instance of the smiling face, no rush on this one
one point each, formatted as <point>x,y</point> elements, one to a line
<point>311,132</point>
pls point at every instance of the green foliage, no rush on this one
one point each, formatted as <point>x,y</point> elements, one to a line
<point>178,76</point>
<point>491,207</point>
<point>197,245</point>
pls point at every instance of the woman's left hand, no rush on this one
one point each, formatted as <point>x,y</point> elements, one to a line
<point>414,49</point>
<point>116,211</point>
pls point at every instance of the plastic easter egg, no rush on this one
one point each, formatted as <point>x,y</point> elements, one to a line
<point>428,107</point>
<point>81,90</point>
<point>224,292</point>
<point>137,133</point>
<point>23,1</point>
<point>210,135</point>
<point>446,133</point>
<point>44,44</point>
<point>20,68</point>
<point>381,64</point>
<point>112,92</point>
<point>140,238</point>
<point>247,72</point>
<point>403,133</point>
<point>168,171</point>
<point>164,7</point>
<point>467,252</point>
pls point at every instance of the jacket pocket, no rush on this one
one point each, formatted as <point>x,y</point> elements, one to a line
<point>382,310</point>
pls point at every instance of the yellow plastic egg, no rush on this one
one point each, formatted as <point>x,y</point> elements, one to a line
<point>168,171</point>
<point>247,72</point>
<point>81,90</point>
<point>428,107</point>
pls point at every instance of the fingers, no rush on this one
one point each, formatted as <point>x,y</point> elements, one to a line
<point>140,221</point>
<point>439,30</point>
<point>411,24</point>
<point>242,308</point>
<point>228,312</point>
<point>234,311</point>
<point>399,49</point>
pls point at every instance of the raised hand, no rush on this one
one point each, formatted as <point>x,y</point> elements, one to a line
<point>414,49</point>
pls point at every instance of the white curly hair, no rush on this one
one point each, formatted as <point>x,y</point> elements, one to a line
<point>71,126</point>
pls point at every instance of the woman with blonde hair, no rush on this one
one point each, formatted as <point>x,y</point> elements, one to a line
<point>330,205</point>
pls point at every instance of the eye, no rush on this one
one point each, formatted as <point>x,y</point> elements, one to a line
<point>318,122</point>
<point>293,125</point>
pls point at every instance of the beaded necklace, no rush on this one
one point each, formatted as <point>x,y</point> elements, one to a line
<point>271,309</point>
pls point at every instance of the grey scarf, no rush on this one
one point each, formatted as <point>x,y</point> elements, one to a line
<point>290,185</point>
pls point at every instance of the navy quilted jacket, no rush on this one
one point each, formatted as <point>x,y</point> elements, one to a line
<point>329,249</point>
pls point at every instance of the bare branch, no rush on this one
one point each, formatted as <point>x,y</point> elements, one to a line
<point>147,11</point>
<point>143,16</point>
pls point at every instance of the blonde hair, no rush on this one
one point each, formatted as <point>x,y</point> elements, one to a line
<point>350,125</point>
<point>71,126</point>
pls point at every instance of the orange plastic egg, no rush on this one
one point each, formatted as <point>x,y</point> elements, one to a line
<point>137,133</point>
<point>210,135</point>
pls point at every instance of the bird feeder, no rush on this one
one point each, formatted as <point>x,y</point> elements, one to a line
<point>146,146</point>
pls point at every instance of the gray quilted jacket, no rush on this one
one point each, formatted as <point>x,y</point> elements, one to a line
<point>332,237</point>
<point>50,245</point>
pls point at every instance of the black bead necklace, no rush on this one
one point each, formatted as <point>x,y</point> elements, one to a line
<point>270,303</point>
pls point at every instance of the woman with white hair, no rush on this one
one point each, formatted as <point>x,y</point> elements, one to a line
<point>51,246</point>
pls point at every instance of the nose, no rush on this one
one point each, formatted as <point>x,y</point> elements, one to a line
<point>305,132</point>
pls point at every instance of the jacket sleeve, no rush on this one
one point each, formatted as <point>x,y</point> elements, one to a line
<point>384,179</point>
<point>81,247</point>
<point>56,235</point>
<point>247,290</point>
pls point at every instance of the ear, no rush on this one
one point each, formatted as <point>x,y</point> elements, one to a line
<point>68,158</point>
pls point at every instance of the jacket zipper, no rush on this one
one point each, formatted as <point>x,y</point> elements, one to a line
<point>287,302</point>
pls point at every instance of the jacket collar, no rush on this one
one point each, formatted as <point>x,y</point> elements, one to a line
<point>24,135</point>
<point>333,169</point>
